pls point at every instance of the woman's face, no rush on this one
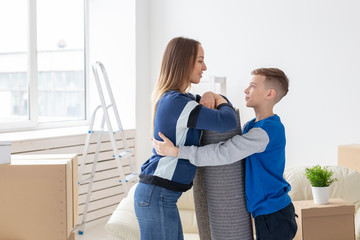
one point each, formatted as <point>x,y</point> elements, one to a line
<point>199,66</point>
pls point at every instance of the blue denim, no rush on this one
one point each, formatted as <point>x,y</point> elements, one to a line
<point>157,213</point>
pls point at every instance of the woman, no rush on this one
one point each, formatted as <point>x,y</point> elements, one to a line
<point>180,116</point>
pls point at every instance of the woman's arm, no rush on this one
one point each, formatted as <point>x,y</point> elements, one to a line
<point>205,117</point>
<point>212,100</point>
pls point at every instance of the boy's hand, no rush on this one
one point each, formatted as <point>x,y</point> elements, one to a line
<point>165,148</point>
<point>208,100</point>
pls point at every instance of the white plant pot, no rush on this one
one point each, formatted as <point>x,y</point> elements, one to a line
<point>320,194</point>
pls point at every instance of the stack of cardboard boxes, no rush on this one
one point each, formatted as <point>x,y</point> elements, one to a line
<point>39,197</point>
<point>349,156</point>
<point>336,219</point>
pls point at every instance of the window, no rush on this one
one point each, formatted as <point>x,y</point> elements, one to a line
<point>13,61</point>
<point>42,62</point>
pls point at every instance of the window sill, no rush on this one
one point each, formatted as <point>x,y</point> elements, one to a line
<point>43,133</point>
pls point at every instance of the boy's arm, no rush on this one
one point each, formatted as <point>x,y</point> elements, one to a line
<point>233,150</point>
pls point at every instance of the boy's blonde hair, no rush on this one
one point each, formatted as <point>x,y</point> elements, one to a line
<point>276,79</point>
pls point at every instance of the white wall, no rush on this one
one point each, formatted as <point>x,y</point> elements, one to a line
<point>317,43</point>
<point>143,83</point>
<point>112,42</point>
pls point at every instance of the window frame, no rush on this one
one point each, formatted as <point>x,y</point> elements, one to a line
<point>32,75</point>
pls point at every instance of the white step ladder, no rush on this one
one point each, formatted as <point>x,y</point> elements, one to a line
<point>105,122</point>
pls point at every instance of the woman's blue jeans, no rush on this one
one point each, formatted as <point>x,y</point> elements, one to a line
<point>157,213</point>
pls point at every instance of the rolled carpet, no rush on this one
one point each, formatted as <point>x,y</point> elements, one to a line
<point>219,195</point>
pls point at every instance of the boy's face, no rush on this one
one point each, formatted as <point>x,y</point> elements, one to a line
<point>255,94</point>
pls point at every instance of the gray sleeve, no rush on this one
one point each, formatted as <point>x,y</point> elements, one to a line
<point>234,149</point>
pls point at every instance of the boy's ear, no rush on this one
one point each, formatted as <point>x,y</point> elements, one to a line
<point>271,94</point>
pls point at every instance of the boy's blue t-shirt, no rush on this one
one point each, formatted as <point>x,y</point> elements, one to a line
<point>181,118</point>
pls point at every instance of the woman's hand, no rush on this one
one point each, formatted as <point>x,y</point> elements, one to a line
<point>208,100</point>
<point>165,148</point>
<point>211,100</point>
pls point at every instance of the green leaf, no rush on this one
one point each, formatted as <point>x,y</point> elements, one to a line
<point>319,177</point>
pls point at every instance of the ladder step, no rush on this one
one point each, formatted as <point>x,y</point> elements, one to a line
<point>130,177</point>
<point>124,154</point>
<point>99,131</point>
<point>104,131</point>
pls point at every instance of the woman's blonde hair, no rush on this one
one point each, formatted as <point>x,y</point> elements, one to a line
<point>177,64</point>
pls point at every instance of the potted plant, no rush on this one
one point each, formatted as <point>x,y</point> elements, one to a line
<point>320,179</point>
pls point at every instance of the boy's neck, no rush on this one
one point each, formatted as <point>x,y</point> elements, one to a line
<point>262,114</point>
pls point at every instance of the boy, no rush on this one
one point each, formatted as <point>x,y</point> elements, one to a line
<point>263,146</point>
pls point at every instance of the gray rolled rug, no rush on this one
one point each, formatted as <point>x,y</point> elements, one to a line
<point>219,195</point>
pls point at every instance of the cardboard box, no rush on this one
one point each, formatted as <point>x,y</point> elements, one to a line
<point>5,152</point>
<point>332,221</point>
<point>75,187</point>
<point>349,156</point>
<point>36,200</point>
